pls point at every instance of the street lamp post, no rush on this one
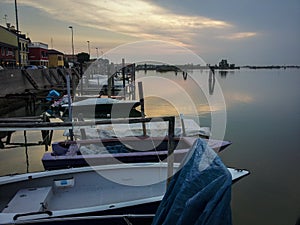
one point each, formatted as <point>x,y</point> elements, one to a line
<point>72,45</point>
<point>89,48</point>
<point>69,88</point>
<point>18,34</point>
<point>97,53</point>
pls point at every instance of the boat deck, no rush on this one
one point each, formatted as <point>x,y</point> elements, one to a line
<point>107,189</point>
<point>102,190</point>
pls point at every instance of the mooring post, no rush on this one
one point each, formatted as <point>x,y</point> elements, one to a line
<point>46,134</point>
<point>113,73</point>
<point>73,75</point>
<point>26,151</point>
<point>69,105</point>
<point>81,77</point>
<point>141,94</point>
<point>82,130</point>
<point>109,83</point>
<point>171,146</point>
<point>183,133</point>
<point>133,82</point>
<point>123,76</point>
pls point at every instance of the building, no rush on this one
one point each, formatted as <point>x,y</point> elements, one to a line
<point>38,54</point>
<point>223,64</point>
<point>56,58</point>
<point>24,50</point>
<point>8,46</point>
<point>70,58</point>
<point>9,55</point>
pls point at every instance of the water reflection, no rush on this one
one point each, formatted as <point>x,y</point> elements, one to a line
<point>211,81</point>
<point>263,123</point>
<point>223,73</point>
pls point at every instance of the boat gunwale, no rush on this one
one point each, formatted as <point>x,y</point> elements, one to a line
<point>35,175</point>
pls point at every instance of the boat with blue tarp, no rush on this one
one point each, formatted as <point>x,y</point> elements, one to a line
<point>198,192</point>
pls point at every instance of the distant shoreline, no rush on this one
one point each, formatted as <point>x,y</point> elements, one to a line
<point>189,66</point>
<point>270,67</point>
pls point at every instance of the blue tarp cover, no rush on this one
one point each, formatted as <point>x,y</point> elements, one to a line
<point>200,193</point>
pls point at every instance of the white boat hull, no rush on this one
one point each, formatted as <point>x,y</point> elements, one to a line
<point>84,190</point>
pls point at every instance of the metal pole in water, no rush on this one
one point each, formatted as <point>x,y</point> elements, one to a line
<point>26,152</point>
<point>69,104</point>
<point>123,76</point>
<point>133,82</point>
<point>109,81</point>
<point>141,94</point>
<point>183,133</point>
<point>171,146</point>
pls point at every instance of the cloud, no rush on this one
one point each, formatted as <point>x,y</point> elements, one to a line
<point>240,35</point>
<point>137,18</point>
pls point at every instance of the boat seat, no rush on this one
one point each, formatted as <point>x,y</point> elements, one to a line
<point>29,200</point>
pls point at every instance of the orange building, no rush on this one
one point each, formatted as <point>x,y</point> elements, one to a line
<point>56,58</point>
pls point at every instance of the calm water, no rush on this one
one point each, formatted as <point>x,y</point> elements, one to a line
<point>263,122</point>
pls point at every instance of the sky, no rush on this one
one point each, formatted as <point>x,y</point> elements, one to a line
<point>245,32</point>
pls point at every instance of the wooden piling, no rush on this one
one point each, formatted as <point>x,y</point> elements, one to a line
<point>123,76</point>
<point>109,81</point>
<point>182,125</point>
<point>133,82</point>
<point>171,146</point>
<point>70,106</point>
<point>82,130</point>
<point>141,94</point>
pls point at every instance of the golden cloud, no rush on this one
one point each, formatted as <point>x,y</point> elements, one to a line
<point>138,18</point>
<point>240,35</point>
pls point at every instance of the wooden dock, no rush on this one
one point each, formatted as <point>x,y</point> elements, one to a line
<point>49,127</point>
<point>31,125</point>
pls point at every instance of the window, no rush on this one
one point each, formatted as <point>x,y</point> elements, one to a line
<point>44,54</point>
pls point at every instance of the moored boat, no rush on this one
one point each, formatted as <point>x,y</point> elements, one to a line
<point>66,154</point>
<point>104,108</point>
<point>118,189</point>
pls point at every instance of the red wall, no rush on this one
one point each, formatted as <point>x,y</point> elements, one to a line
<point>38,54</point>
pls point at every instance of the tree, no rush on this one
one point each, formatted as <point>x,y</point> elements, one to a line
<point>83,57</point>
